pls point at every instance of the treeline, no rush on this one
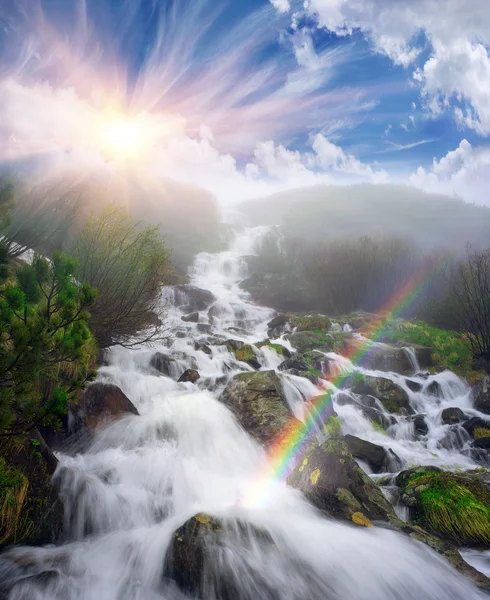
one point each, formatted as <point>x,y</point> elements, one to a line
<point>373,275</point>
<point>84,286</point>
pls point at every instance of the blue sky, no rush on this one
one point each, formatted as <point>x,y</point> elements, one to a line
<point>252,97</point>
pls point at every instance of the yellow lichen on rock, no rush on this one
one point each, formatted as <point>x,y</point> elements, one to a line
<point>202,518</point>
<point>359,519</point>
<point>305,462</point>
<point>314,476</point>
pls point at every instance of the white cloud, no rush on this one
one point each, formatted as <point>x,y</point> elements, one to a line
<point>456,74</point>
<point>412,120</point>
<point>69,131</point>
<point>388,129</point>
<point>404,126</point>
<point>464,172</point>
<point>282,5</point>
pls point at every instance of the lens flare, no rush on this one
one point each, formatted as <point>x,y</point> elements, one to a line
<point>123,137</point>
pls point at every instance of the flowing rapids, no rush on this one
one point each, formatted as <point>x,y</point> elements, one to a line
<point>144,476</point>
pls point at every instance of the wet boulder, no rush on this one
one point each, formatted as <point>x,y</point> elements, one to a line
<point>434,389</point>
<point>452,416</point>
<point>293,363</point>
<point>453,506</point>
<point>203,563</point>
<point>482,442</point>
<point>316,360</point>
<point>192,318</point>
<point>98,404</point>
<point>279,348</point>
<point>258,402</point>
<point>477,427</point>
<point>412,385</point>
<point>375,456</point>
<point>331,480</point>
<point>243,352</point>
<point>394,398</point>
<point>31,511</point>
<point>190,298</point>
<point>163,363</point>
<point>380,357</point>
<point>189,376</point>
<point>278,321</point>
<point>277,326</point>
<point>200,346</point>
<point>481,395</point>
<point>304,340</point>
<point>420,426</point>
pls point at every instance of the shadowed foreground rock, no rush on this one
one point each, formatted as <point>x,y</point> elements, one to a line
<point>100,403</point>
<point>215,558</point>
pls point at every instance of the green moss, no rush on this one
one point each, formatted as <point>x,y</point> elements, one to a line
<point>450,348</point>
<point>279,349</point>
<point>311,322</point>
<point>333,427</point>
<point>378,427</point>
<point>244,353</point>
<point>454,506</point>
<point>481,432</point>
<point>391,405</point>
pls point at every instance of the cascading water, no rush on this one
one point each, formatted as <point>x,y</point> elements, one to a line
<point>143,476</point>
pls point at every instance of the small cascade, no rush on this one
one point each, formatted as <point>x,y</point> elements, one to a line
<point>144,475</point>
<point>412,357</point>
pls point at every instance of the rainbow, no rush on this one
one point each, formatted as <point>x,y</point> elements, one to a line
<point>296,435</point>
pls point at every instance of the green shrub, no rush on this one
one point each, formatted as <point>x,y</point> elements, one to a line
<point>449,348</point>
<point>311,322</point>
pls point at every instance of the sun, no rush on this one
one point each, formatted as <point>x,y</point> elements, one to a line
<point>123,137</point>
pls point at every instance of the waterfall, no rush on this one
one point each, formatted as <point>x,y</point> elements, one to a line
<point>143,476</point>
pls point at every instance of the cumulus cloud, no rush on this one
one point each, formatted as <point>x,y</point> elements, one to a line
<point>464,172</point>
<point>69,130</point>
<point>456,73</point>
<point>282,5</point>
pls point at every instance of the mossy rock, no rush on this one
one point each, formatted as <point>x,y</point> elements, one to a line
<point>332,481</point>
<point>281,350</point>
<point>196,558</point>
<point>244,353</point>
<point>455,506</point>
<point>394,398</point>
<point>258,402</point>
<point>311,322</point>
<point>30,511</point>
<point>304,340</point>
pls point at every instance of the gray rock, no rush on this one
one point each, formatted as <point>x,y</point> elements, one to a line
<point>452,415</point>
<point>189,376</point>
<point>192,318</point>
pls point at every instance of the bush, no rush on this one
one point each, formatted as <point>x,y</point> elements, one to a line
<point>450,348</point>
<point>46,348</point>
<point>128,264</point>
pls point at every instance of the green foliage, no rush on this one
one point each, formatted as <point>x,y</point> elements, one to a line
<point>454,506</point>
<point>128,264</point>
<point>46,347</point>
<point>10,478</point>
<point>311,322</point>
<point>450,348</point>
<point>333,427</point>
